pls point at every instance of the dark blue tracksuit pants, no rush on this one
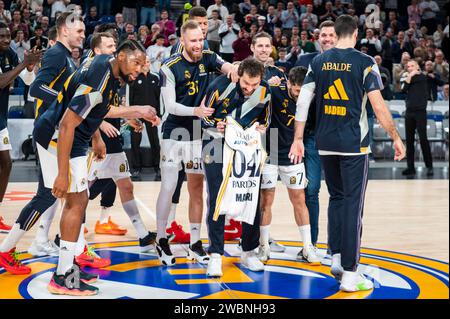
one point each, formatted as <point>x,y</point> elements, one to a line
<point>214,178</point>
<point>346,178</point>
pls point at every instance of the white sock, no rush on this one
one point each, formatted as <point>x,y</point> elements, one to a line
<point>104,215</point>
<point>132,211</point>
<point>13,237</point>
<point>172,214</point>
<point>195,232</point>
<point>305,234</point>
<point>45,223</point>
<point>161,225</point>
<point>336,261</point>
<point>66,254</point>
<point>81,242</point>
<point>264,235</point>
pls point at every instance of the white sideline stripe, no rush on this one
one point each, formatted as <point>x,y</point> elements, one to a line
<point>145,207</point>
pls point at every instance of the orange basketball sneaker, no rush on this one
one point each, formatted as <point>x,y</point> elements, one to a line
<point>177,235</point>
<point>3,226</point>
<point>90,259</point>
<point>109,228</point>
<point>11,263</point>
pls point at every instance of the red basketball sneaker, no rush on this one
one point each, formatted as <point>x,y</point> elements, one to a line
<point>11,263</point>
<point>90,259</point>
<point>3,226</point>
<point>177,234</point>
<point>233,231</point>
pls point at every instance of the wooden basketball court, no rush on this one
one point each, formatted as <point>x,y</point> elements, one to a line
<point>404,216</point>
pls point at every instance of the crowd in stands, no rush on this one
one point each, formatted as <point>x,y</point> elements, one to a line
<point>393,34</point>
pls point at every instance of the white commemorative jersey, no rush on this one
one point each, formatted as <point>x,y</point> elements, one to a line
<point>243,160</point>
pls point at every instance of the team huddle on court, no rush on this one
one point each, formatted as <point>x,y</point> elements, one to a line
<point>236,128</point>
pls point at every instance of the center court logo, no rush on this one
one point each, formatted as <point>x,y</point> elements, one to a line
<point>140,276</point>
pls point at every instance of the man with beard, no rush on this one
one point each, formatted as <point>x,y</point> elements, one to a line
<point>78,113</point>
<point>237,107</point>
<point>184,79</point>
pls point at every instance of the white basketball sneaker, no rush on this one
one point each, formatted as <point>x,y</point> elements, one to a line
<point>215,266</point>
<point>276,247</point>
<point>263,253</point>
<point>309,254</point>
<point>47,248</point>
<point>250,261</point>
<point>198,253</point>
<point>164,253</point>
<point>352,281</point>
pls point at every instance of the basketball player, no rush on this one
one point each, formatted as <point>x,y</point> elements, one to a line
<point>281,134</point>
<point>115,166</point>
<point>10,69</point>
<point>78,113</point>
<point>175,231</point>
<point>184,79</point>
<point>247,102</point>
<point>343,79</point>
<point>56,67</point>
<point>262,49</point>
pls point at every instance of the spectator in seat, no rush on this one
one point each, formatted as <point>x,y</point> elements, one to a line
<point>263,26</point>
<point>434,81</point>
<point>76,56</point>
<point>19,45</point>
<point>277,35</point>
<point>414,12</point>
<point>385,78</point>
<point>17,24</point>
<point>167,26</point>
<point>289,17</point>
<point>273,19</point>
<point>310,17</point>
<point>213,37</point>
<point>429,9</point>
<point>223,10</point>
<point>294,51</point>
<point>372,43</point>
<point>283,63</point>
<point>387,43</point>
<point>129,29</point>
<point>443,96</point>
<point>305,44</point>
<point>142,35</point>
<point>92,20</point>
<point>241,46</point>
<point>120,22</point>
<point>339,8</point>
<point>157,53</point>
<point>228,33</point>
<point>39,41</point>
<point>398,71</point>
<point>5,15</point>
<point>441,66</point>
<point>328,13</point>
